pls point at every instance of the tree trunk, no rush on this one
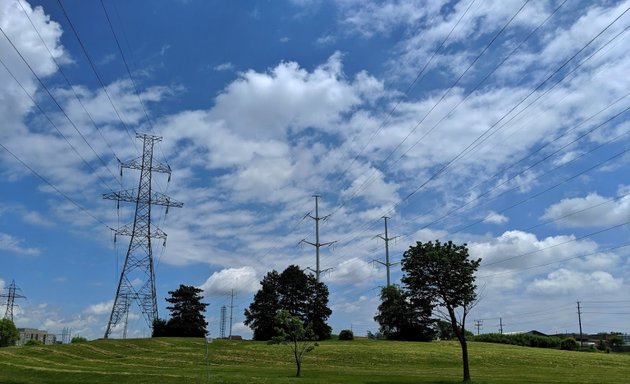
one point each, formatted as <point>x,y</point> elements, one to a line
<point>298,359</point>
<point>464,346</point>
<point>461,337</point>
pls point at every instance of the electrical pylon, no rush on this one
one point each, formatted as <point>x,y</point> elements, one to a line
<point>137,279</point>
<point>222,323</point>
<point>11,295</point>
<point>317,244</point>
<point>387,264</point>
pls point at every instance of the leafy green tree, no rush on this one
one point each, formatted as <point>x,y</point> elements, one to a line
<point>443,275</point>
<point>187,312</point>
<point>78,339</point>
<point>260,316</point>
<point>400,320</point>
<point>9,334</point>
<point>346,334</point>
<point>294,291</point>
<point>290,330</point>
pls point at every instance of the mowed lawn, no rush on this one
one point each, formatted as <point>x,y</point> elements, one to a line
<point>360,361</point>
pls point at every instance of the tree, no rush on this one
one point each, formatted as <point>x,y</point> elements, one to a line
<point>260,316</point>
<point>187,312</point>
<point>291,330</point>
<point>443,275</point>
<point>9,334</point>
<point>400,320</point>
<point>160,328</point>
<point>346,334</point>
<point>78,339</point>
<point>294,291</point>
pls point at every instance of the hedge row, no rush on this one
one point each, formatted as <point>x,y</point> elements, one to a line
<point>522,339</point>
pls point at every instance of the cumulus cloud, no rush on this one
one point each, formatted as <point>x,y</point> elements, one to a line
<point>564,281</point>
<point>496,218</point>
<point>99,309</point>
<point>353,271</point>
<point>592,210</point>
<point>241,280</point>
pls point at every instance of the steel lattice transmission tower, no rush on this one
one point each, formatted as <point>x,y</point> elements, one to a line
<point>318,271</point>
<point>222,324</point>
<point>137,279</point>
<point>11,295</point>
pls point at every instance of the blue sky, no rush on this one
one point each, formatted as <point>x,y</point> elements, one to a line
<point>500,124</point>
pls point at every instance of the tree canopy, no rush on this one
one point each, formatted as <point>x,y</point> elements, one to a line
<point>9,334</point>
<point>290,330</point>
<point>399,319</point>
<point>294,291</point>
<point>443,275</point>
<point>187,314</point>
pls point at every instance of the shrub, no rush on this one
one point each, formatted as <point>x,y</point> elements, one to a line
<point>569,344</point>
<point>33,343</point>
<point>8,333</point>
<point>346,334</point>
<point>78,339</point>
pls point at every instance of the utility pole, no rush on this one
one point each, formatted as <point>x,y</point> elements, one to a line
<point>500,325</point>
<point>387,264</point>
<point>478,324</point>
<point>231,307</point>
<point>222,325</point>
<point>317,244</point>
<point>579,312</point>
<point>11,295</point>
<point>139,266</point>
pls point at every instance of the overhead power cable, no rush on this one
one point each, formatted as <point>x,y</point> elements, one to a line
<point>71,87</point>
<point>87,164</point>
<point>42,178</point>
<point>443,168</point>
<point>100,80</point>
<point>369,180</point>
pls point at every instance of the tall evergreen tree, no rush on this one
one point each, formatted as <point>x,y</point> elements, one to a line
<point>187,312</point>
<point>294,291</point>
<point>260,316</point>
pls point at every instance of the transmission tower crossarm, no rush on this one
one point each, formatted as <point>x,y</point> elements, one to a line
<point>132,196</point>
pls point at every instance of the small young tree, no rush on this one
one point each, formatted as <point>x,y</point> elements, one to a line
<point>290,330</point>
<point>9,334</point>
<point>443,275</point>
<point>187,312</point>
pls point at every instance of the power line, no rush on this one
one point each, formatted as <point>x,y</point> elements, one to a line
<point>460,155</point>
<point>42,178</point>
<point>446,93</point>
<point>68,81</point>
<point>76,34</point>
<point>58,106</point>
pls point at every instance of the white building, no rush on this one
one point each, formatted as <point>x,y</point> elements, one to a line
<point>27,334</point>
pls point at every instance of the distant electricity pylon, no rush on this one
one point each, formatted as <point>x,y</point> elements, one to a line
<point>11,295</point>
<point>317,244</point>
<point>222,322</point>
<point>137,279</point>
<point>387,239</point>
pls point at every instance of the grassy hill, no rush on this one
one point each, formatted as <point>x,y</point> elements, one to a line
<point>360,361</point>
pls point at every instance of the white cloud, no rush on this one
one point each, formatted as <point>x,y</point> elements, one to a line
<point>242,330</point>
<point>227,66</point>
<point>592,210</point>
<point>241,280</point>
<point>563,282</point>
<point>353,271</point>
<point>11,244</point>
<point>99,309</point>
<point>36,218</point>
<point>496,218</point>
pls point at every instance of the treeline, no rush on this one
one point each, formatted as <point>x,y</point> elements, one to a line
<point>529,340</point>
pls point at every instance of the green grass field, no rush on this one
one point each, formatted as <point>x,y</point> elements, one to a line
<point>360,361</point>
